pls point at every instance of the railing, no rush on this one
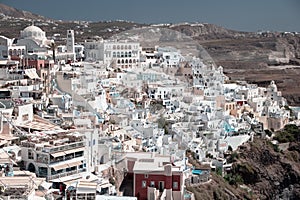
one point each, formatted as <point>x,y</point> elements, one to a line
<point>54,149</point>
<point>65,174</point>
<point>60,159</point>
<point>42,160</point>
<point>197,180</point>
<point>63,147</point>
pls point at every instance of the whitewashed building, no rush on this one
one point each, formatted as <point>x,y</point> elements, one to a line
<point>34,39</point>
<point>9,51</point>
<point>123,54</point>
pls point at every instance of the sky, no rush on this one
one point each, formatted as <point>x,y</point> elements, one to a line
<point>243,15</point>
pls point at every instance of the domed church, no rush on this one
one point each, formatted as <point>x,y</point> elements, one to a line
<point>34,39</point>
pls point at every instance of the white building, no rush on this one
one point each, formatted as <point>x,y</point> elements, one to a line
<point>170,57</point>
<point>54,154</point>
<point>70,51</point>
<point>123,54</point>
<point>9,51</point>
<point>34,39</point>
<point>207,78</point>
<point>165,92</point>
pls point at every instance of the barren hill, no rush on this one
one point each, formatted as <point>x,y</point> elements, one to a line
<point>12,12</point>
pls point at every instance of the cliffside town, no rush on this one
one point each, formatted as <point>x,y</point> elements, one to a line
<point>145,114</point>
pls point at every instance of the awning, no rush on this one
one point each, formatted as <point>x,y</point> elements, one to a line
<point>8,62</point>
<point>31,73</point>
<point>58,167</point>
<point>57,154</point>
<point>73,164</point>
<point>3,142</point>
<point>74,150</point>
<point>86,188</point>
<point>46,185</point>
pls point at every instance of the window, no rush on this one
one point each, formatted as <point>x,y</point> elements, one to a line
<point>30,154</point>
<point>146,175</point>
<point>25,117</point>
<point>152,184</point>
<point>144,184</point>
<point>175,185</point>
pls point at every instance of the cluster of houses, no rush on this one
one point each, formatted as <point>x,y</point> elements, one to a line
<point>112,119</point>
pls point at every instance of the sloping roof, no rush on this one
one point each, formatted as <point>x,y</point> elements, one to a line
<point>39,124</point>
<point>31,73</point>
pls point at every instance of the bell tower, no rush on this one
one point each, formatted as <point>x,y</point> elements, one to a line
<point>71,42</point>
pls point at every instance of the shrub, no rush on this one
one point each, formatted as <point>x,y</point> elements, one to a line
<point>234,179</point>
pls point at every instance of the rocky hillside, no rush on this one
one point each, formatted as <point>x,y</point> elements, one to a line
<point>218,189</point>
<point>261,170</point>
<point>269,172</point>
<point>254,57</point>
<point>12,12</point>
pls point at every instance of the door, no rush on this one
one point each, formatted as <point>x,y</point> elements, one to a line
<point>161,186</point>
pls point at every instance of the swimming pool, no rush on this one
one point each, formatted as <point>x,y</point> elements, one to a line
<point>197,171</point>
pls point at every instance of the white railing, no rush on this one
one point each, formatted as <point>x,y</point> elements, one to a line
<point>65,174</point>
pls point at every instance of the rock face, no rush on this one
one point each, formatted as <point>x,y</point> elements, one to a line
<point>270,174</point>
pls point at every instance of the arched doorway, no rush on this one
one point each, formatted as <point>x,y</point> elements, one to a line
<point>31,167</point>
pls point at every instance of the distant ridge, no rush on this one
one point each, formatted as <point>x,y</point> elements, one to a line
<point>13,12</point>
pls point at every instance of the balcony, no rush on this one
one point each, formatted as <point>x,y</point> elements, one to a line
<point>64,157</point>
<point>63,147</point>
<point>29,87</point>
<point>64,174</point>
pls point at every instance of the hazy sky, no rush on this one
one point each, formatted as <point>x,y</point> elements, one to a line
<point>247,15</point>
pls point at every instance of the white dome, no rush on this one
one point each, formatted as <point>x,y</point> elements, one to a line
<point>32,28</point>
<point>33,32</point>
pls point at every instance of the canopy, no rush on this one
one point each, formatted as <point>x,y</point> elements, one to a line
<point>31,73</point>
